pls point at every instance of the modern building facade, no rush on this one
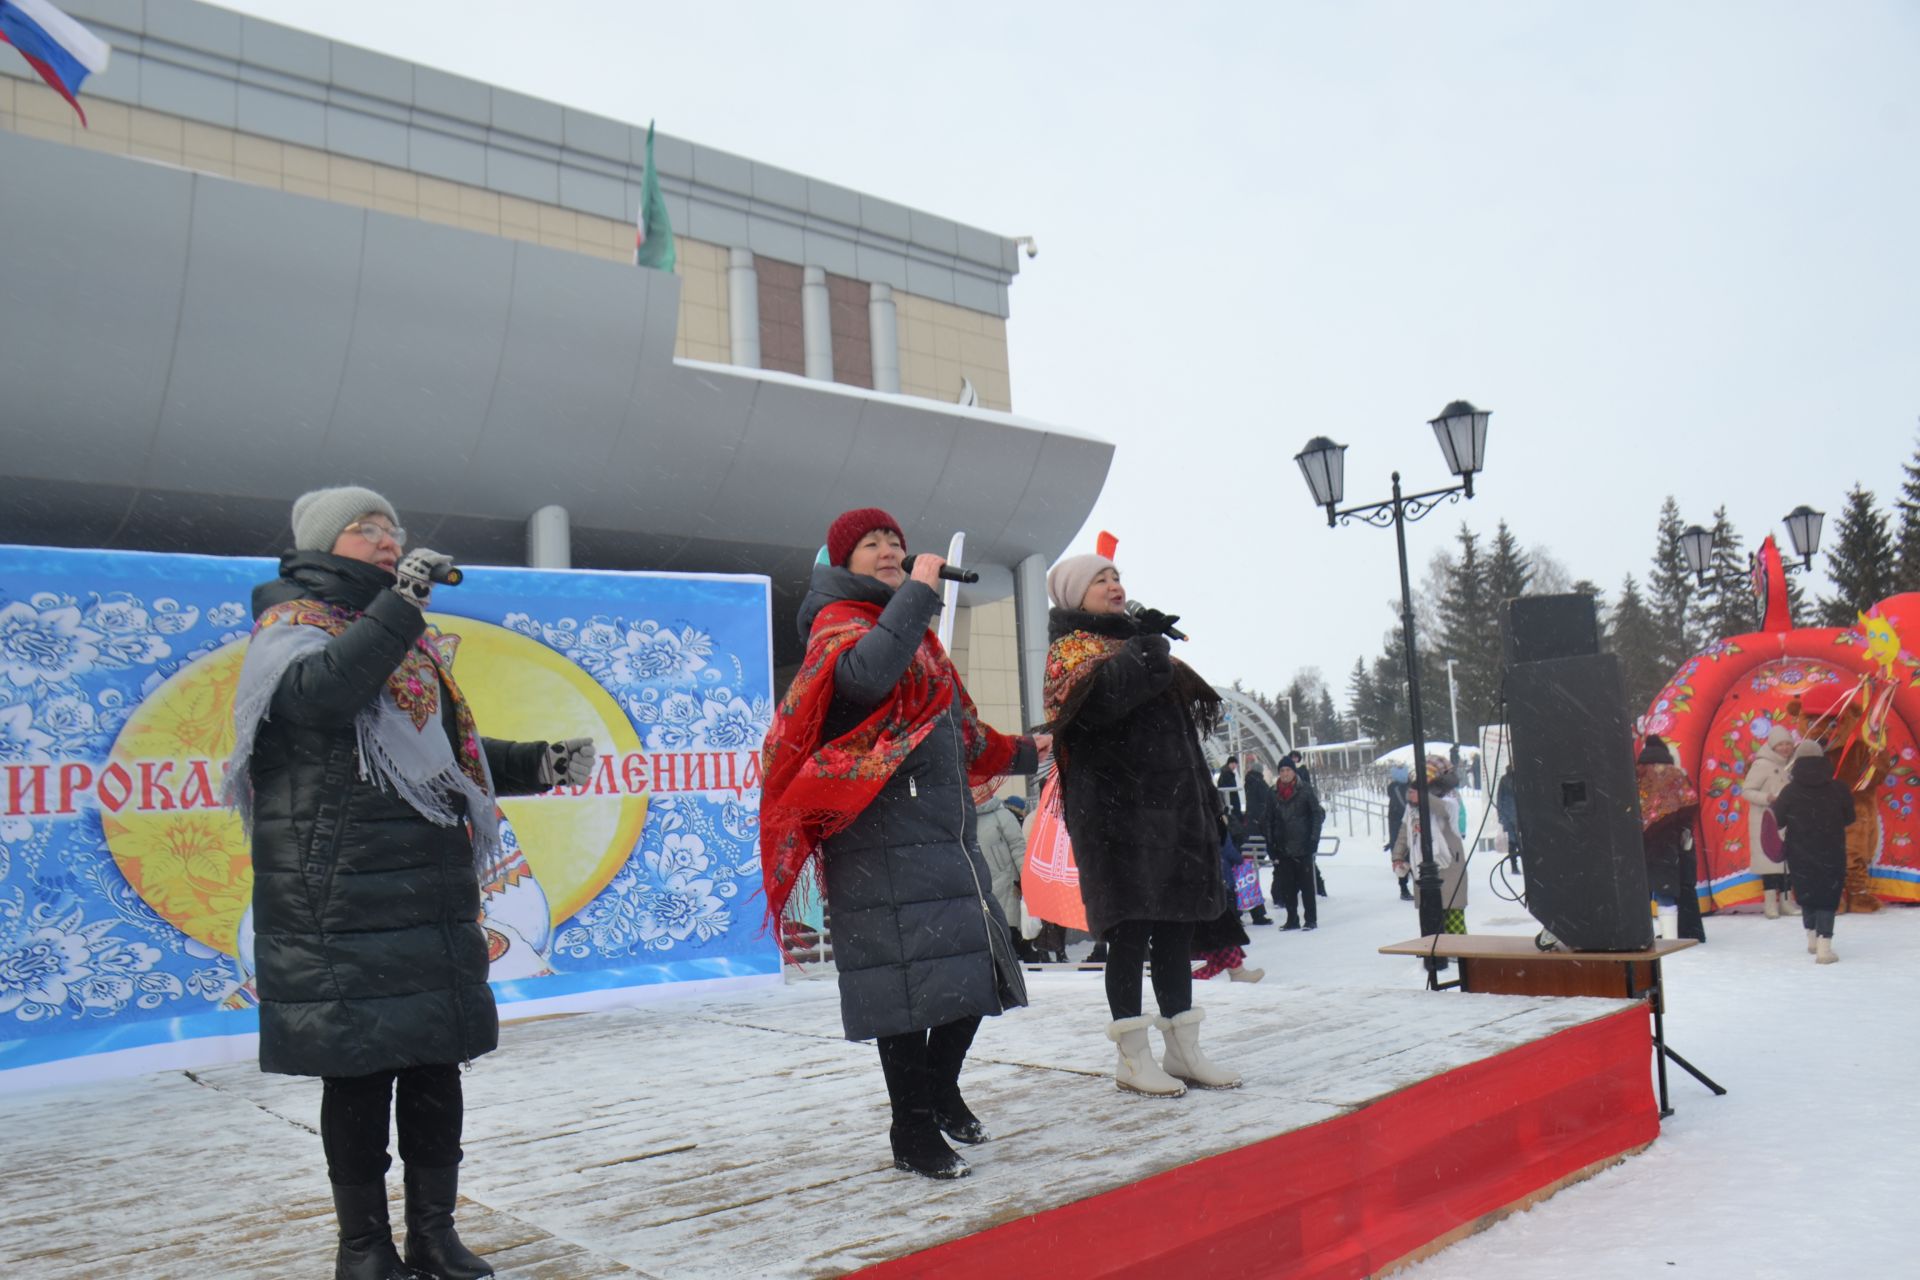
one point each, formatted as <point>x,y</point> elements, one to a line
<point>275,261</point>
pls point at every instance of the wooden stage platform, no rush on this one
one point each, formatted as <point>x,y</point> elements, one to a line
<point>744,1138</point>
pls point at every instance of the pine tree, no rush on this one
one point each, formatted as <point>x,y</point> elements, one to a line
<point>1509,570</point>
<point>1362,699</point>
<point>1466,622</point>
<point>1670,589</point>
<point>1906,574</point>
<point>1634,637</point>
<point>1861,565</point>
<point>1730,608</point>
<point>1326,718</point>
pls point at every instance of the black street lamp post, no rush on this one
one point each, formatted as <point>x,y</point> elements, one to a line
<point>1803,530</point>
<point>1461,430</point>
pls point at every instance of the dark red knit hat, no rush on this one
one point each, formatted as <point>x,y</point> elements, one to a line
<point>844,534</point>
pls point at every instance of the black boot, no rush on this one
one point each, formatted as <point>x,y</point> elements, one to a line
<point>945,1056</point>
<point>432,1245</point>
<point>366,1249</point>
<point>915,1135</point>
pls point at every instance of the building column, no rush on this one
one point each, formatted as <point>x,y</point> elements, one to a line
<point>1030,633</point>
<point>883,325</point>
<point>550,539</point>
<point>816,323</point>
<point>743,308</point>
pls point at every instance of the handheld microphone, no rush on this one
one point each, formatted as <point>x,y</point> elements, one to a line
<point>1165,626</point>
<point>447,575</point>
<point>947,572</point>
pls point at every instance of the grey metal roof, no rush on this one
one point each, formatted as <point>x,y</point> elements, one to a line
<point>219,67</point>
<point>181,355</point>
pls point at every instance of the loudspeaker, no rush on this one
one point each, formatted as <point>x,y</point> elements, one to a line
<point>1578,802</point>
<point>1540,628</point>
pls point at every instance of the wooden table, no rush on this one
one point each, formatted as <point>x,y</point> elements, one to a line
<point>1508,964</point>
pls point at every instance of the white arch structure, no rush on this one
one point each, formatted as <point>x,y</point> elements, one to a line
<point>1246,726</point>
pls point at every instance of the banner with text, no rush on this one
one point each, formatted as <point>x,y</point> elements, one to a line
<point>125,888</point>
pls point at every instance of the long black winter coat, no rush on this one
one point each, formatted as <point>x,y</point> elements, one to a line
<point>1140,804</point>
<point>1293,823</point>
<point>1814,811</point>
<point>368,951</point>
<point>917,935</point>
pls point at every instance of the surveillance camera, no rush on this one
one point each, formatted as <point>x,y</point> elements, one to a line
<point>1032,246</point>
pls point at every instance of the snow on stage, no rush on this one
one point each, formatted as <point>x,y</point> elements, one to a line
<point>741,1137</point>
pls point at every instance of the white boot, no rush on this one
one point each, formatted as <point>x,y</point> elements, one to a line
<point>1823,953</point>
<point>1244,974</point>
<point>1811,949</point>
<point>1137,1072</point>
<point>1183,1058</point>
<point>1772,898</point>
<point>1667,923</point>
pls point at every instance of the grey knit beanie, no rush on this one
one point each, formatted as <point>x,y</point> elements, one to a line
<point>1809,749</point>
<point>318,517</point>
<point>1067,582</point>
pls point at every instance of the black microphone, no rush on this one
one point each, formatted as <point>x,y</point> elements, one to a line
<point>1164,626</point>
<point>446,575</point>
<point>947,572</point>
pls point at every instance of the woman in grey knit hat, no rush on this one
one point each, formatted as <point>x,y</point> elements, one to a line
<point>369,798</point>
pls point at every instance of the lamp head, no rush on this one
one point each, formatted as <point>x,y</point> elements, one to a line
<point>1324,464</point>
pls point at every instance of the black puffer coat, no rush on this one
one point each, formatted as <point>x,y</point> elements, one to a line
<point>917,935</point>
<point>1293,822</point>
<point>1145,818</point>
<point>1814,811</point>
<point>368,951</point>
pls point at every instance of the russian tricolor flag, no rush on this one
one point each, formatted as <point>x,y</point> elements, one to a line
<point>60,49</point>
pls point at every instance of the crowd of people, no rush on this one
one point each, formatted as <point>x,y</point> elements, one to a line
<point>368,793</point>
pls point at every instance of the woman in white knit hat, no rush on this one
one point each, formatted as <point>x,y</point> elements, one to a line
<point>369,800</point>
<point>1140,806</point>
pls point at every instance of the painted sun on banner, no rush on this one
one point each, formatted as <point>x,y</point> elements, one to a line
<point>125,888</point>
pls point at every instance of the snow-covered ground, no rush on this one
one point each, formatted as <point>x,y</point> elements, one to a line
<point>1807,1167</point>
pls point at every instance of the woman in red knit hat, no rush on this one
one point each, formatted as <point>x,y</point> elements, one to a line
<point>870,763</point>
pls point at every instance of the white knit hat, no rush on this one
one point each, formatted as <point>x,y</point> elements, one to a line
<point>318,517</point>
<point>1067,582</point>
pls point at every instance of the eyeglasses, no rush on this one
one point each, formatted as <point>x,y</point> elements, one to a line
<point>374,532</point>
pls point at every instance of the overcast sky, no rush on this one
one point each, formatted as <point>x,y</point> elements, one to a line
<point>1672,247</point>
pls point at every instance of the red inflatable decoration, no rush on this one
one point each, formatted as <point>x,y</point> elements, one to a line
<point>1857,689</point>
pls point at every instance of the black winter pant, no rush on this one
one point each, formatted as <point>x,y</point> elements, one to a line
<point>354,1113</point>
<point>923,1067</point>
<point>1129,943</point>
<point>1293,885</point>
<point>1821,922</point>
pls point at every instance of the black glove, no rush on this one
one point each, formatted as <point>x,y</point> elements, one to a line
<point>568,763</point>
<point>1153,650</point>
<point>413,576</point>
<point>1156,622</point>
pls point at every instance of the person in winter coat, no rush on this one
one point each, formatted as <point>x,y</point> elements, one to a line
<point>1220,944</point>
<point>1142,811</point>
<point>369,798</point>
<point>1506,802</point>
<point>1293,822</point>
<point>1004,846</point>
<point>1765,778</point>
<point>869,765</point>
<point>1229,784</point>
<point>1449,850</point>
<point>1814,811</point>
<point>1397,776</point>
<point>1669,804</point>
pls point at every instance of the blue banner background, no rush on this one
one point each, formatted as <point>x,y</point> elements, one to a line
<point>87,966</point>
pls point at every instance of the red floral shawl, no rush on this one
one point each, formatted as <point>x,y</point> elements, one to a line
<point>812,790</point>
<point>1666,795</point>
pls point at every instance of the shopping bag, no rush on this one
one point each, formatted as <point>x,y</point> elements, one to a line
<point>1246,886</point>
<point>1049,879</point>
